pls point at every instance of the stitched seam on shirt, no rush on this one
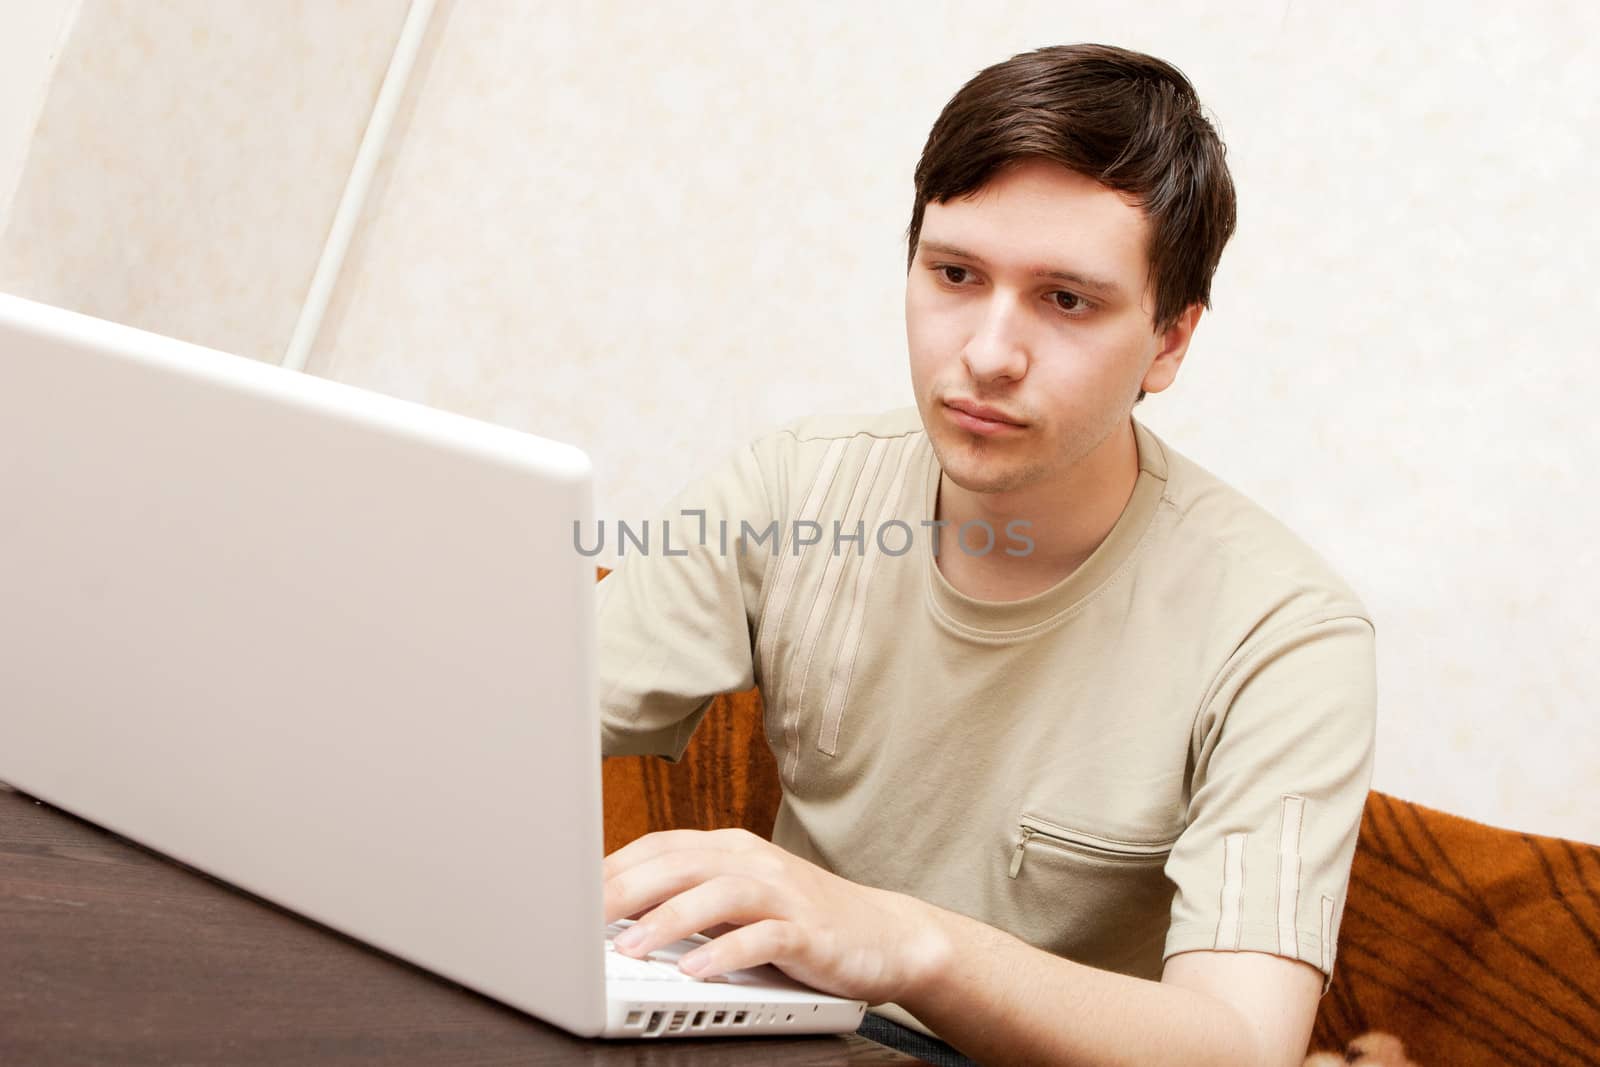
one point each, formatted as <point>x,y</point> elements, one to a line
<point>850,640</point>
<point>788,572</point>
<point>1327,933</point>
<point>1043,626</point>
<point>1231,910</point>
<point>826,592</point>
<point>788,559</point>
<point>1236,663</point>
<point>848,434</point>
<point>768,567</point>
<point>1202,933</point>
<point>1289,866</point>
<point>1224,547</point>
<point>1209,927</point>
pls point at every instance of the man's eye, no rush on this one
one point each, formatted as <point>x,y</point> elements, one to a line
<point>945,273</point>
<point>1077,303</point>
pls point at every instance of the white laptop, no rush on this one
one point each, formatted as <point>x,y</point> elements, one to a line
<point>334,648</point>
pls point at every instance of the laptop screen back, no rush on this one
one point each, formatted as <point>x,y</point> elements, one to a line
<point>333,647</point>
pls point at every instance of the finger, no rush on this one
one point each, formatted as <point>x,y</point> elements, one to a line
<point>644,885</point>
<point>663,841</point>
<point>776,941</point>
<point>726,899</point>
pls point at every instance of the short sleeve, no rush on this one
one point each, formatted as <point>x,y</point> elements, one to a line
<point>1283,756</point>
<point>677,613</point>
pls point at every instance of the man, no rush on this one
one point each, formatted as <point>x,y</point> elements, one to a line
<point>1074,739</point>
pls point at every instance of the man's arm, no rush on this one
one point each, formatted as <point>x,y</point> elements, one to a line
<point>1002,1001</point>
<point>991,995</point>
<point>674,624</point>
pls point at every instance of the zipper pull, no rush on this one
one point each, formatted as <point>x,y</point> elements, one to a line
<point>1016,857</point>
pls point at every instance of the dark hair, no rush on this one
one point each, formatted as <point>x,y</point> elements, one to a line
<point>1127,120</point>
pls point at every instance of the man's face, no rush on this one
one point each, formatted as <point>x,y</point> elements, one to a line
<point>1061,360</point>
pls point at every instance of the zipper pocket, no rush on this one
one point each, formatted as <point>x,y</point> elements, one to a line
<point>1077,841</point>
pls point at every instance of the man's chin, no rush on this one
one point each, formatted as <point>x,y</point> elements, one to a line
<point>981,475</point>
<point>988,482</point>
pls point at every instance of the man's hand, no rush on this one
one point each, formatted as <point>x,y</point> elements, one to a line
<point>832,934</point>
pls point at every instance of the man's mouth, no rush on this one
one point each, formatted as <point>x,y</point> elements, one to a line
<point>981,418</point>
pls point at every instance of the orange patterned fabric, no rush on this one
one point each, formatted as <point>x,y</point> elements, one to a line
<point>1471,944</point>
<point>727,777</point>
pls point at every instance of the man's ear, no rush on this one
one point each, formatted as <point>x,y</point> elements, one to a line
<point>1172,345</point>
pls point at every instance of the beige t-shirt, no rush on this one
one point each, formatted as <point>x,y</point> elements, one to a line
<point>1168,750</point>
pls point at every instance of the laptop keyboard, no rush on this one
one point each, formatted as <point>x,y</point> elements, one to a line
<point>660,966</point>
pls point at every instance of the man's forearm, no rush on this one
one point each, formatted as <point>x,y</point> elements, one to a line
<point>1002,1001</point>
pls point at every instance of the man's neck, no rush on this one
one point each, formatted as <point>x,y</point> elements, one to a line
<point>1068,519</point>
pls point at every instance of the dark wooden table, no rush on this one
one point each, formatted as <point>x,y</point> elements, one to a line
<point>111,954</point>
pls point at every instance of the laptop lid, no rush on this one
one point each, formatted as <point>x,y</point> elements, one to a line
<point>333,647</point>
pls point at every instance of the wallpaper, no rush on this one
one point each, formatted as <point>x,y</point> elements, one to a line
<point>188,161</point>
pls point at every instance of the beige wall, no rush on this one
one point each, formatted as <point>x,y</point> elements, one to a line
<point>654,231</point>
<point>188,159</point>
<point>31,35</point>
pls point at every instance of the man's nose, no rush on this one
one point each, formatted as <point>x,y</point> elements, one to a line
<point>997,351</point>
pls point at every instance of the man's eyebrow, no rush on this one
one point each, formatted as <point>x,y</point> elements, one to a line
<point>1083,281</point>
